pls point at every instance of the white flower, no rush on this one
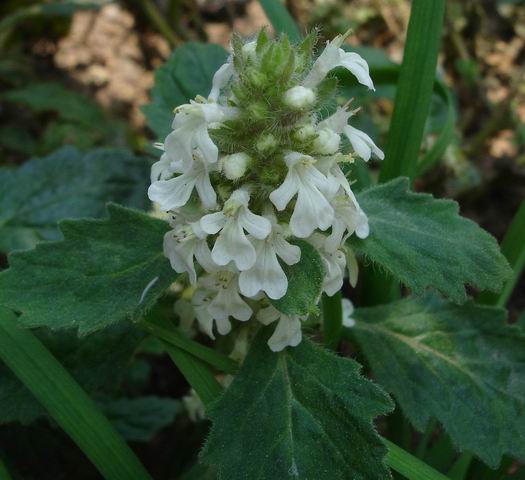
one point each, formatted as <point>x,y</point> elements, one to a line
<point>334,56</point>
<point>353,266</point>
<point>190,130</point>
<point>312,209</point>
<point>267,275</point>
<point>299,97</point>
<point>226,301</point>
<point>335,177</point>
<point>162,169</point>
<point>220,80</point>
<point>249,51</point>
<point>348,311</point>
<point>288,331</point>
<point>201,302</point>
<point>349,218</point>
<point>327,142</point>
<point>185,243</point>
<point>174,193</point>
<point>362,144</point>
<point>334,263</point>
<point>232,243</point>
<point>234,166</point>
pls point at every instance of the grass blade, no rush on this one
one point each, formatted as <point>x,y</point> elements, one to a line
<point>414,90</point>
<point>170,334</point>
<point>196,372</point>
<point>281,19</point>
<point>66,402</point>
<point>513,247</point>
<point>409,466</point>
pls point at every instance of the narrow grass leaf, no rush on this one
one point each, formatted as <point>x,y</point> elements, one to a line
<point>281,19</point>
<point>66,402</point>
<point>414,90</point>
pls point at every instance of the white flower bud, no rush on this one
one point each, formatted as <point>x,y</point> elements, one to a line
<point>265,143</point>
<point>234,166</point>
<point>299,97</point>
<point>327,142</point>
<point>305,133</point>
<point>249,51</point>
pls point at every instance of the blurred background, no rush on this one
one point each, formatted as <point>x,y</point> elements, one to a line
<point>79,72</point>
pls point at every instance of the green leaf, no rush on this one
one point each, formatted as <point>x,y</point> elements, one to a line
<point>424,242</point>
<point>280,18</point>
<point>139,419</point>
<point>102,272</point>
<point>302,413</point>
<point>66,184</point>
<point>97,363</point>
<point>416,81</point>
<point>187,73</point>
<point>54,97</point>
<point>305,281</point>
<point>460,364</point>
<point>66,402</point>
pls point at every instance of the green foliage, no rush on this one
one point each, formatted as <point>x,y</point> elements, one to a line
<point>102,272</point>
<point>78,120</point>
<point>303,412</point>
<point>281,19</point>
<point>139,419</point>
<point>460,364</point>
<point>416,81</point>
<point>96,362</point>
<point>66,184</point>
<point>187,73</point>
<point>66,402</point>
<point>425,243</point>
<point>305,281</point>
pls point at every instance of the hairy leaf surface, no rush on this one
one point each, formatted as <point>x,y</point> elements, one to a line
<point>302,413</point>
<point>102,272</point>
<point>187,73</point>
<point>424,242</point>
<point>66,184</point>
<point>460,364</point>
<point>305,281</point>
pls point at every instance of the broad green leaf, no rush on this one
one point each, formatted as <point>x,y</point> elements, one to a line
<point>305,281</point>
<point>96,362</point>
<point>187,73</point>
<point>66,402</point>
<point>424,242</point>
<point>302,413</point>
<point>460,364</point>
<point>139,419</point>
<point>102,272</point>
<point>66,184</point>
<point>281,19</point>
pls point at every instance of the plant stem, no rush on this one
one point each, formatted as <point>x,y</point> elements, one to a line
<point>425,439</point>
<point>151,10</point>
<point>332,319</point>
<point>513,247</point>
<point>460,468</point>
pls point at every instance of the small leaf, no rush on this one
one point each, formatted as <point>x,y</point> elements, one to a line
<point>187,73</point>
<point>303,413</point>
<point>66,184</point>
<point>102,272</point>
<point>424,242</point>
<point>305,281</point>
<point>96,362</point>
<point>460,364</point>
<point>139,419</point>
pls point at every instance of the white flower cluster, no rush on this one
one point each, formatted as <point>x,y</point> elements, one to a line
<point>231,242</point>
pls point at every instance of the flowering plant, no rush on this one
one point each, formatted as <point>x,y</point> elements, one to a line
<point>266,217</point>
